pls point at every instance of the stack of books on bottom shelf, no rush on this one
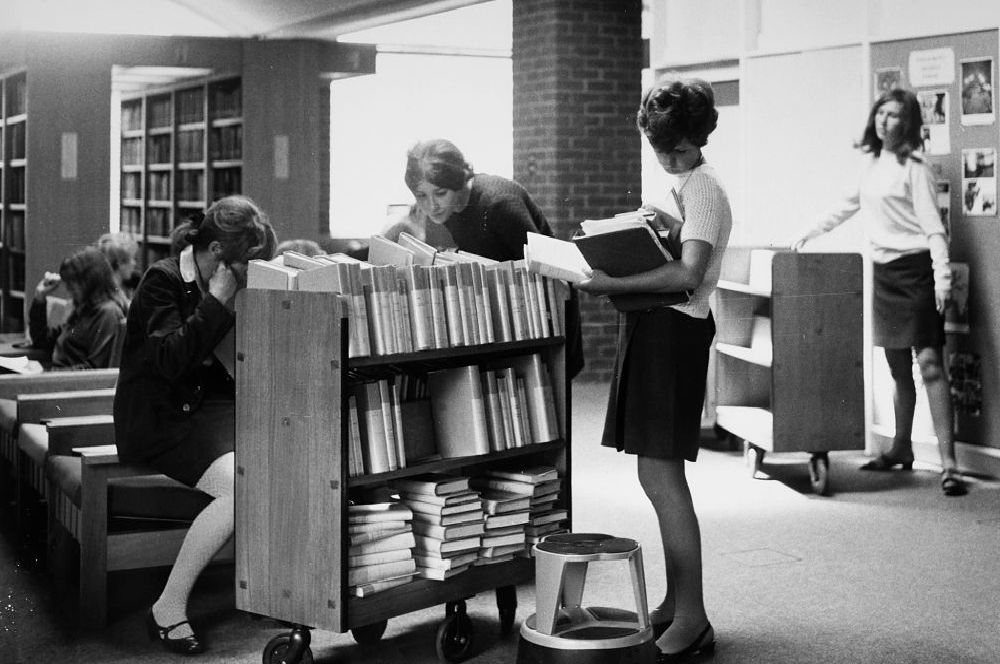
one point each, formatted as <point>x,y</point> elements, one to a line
<point>447,522</point>
<point>380,555</point>
<point>540,485</point>
<point>506,516</point>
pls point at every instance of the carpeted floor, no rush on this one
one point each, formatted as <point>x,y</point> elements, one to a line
<point>885,570</point>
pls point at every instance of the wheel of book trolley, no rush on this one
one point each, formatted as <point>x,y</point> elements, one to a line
<point>561,630</point>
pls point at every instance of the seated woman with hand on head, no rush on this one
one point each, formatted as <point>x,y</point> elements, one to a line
<point>90,336</point>
<point>174,405</point>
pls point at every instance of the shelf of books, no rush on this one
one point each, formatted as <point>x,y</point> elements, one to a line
<point>789,364</point>
<point>181,149</point>
<point>13,203</point>
<point>402,432</point>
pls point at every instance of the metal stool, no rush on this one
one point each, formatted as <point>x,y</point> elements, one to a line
<point>561,630</point>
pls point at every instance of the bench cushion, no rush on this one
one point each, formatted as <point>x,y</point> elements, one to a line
<point>146,497</point>
<point>33,440</point>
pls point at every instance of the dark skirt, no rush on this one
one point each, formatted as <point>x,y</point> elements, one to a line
<point>904,314</point>
<point>658,387</point>
<point>206,435</point>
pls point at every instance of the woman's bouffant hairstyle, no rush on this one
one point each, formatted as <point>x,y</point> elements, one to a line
<point>439,162</point>
<point>910,122</point>
<point>676,109</point>
<point>90,272</point>
<point>118,248</point>
<point>236,223</point>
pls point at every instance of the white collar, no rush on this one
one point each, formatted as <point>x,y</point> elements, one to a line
<point>189,267</point>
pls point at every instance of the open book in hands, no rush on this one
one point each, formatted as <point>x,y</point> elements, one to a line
<point>620,246</point>
<point>20,364</point>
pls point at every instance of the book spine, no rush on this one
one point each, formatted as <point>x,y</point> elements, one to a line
<point>453,306</point>
<point>439,315</point>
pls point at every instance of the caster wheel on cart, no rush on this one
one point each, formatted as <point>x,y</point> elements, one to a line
<point>277,651</point>
<point>819,473</point>
<point>454,634</point>
<point>507,606</point>
<point>754,457</point>
<point>369,635</point>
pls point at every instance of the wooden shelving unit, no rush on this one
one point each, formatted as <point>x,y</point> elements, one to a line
<point>13,201</point>
<point>789,354</point>
<point>181,149</point>
<point>292,484</point>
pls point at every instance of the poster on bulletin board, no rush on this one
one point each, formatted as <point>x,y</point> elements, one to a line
<point>977,91</point>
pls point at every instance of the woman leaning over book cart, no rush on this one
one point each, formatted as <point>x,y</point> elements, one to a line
<point>174,404</point>
<point>484,214</point>
<point>657,394</point>
<point>895,190</point>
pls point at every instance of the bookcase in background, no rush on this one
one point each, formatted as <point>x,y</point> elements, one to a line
<point>13,207</point>
<point>293,376</point>
<point>181,149</point>
<point>789,354</point>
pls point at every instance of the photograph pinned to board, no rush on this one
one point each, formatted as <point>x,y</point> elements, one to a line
<point>956,312</point>
<point>977,91</point>
<point>934,112</point>
<point>979,182</point>
<point>886,79</point>
<point>965,375</point>
<point>943,188</point>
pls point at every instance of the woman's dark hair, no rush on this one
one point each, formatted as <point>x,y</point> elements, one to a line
<point>910,122</point>
<point>439,162</point>
<point>676,109</point>
<point>236,223</point>
<point>89,271</point>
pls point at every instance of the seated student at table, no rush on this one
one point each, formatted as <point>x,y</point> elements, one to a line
<point>175,402</point>
<point>90,335</point>
<point>485,214</point>
<point>121,250</point>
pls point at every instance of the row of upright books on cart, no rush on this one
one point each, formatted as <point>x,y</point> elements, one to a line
<point>402,301</point>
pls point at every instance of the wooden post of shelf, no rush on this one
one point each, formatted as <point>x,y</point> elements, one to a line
<point>289,461</point>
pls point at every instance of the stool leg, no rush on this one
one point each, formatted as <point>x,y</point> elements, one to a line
<point>639,589</point>
<point>574,579</point>
<point>548,591</point>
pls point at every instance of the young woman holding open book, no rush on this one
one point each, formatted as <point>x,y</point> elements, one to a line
<point>658,390</point>
<point>911,277</point>
<point>174,404</point>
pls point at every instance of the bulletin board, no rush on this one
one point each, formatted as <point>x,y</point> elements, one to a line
<point>955,77</point>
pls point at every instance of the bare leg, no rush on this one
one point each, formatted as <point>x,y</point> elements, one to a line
<point>935,379</point>
<point>208,533</point>
<point>904,401</point>
<point>666,485</point>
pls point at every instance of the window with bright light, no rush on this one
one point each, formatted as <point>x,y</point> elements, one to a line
<point>452,90</point>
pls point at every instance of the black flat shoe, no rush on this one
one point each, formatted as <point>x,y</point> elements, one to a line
<point>189,645</point>
<point>701,646</point>
<point>952,485</point>
<point>884,462</point>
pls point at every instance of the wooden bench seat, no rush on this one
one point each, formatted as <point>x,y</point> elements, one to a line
<point>14,385</point>
<point>32,441</point>
<point>120,516</point>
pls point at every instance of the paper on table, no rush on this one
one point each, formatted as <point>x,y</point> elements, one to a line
<point>20,364</point>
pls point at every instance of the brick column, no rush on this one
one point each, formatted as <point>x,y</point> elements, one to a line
<point>577,81</point>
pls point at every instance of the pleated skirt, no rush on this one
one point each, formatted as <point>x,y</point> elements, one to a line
<point>658,387</point>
